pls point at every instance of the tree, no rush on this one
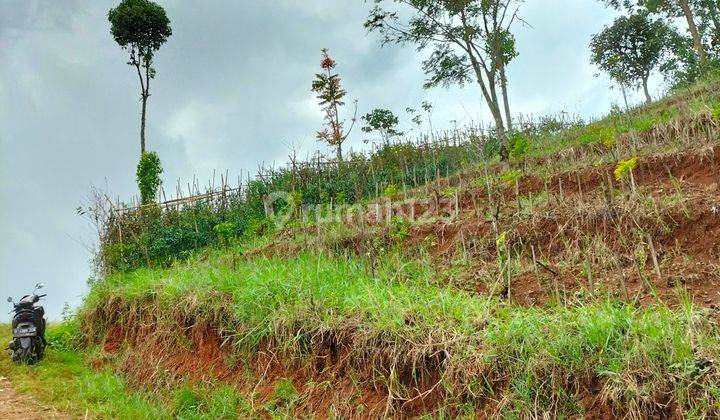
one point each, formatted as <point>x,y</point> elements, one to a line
<point>630,49</point>
<point>331,94</point>
<point>470,40</point>
<point>140,27</point>
<point>384,122</point>
<point>674,9</point>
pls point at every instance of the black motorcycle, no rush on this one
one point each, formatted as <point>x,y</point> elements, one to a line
<point>28,324</point>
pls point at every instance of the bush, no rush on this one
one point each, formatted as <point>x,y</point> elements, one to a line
<point>519,145</point>
<point>399,229</point>
<point>148,176</point>
<point>624,167</point>
<point>391,191</point>
<point>225,233</point>
<point>597,134</point>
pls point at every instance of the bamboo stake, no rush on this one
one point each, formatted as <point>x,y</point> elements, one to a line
<point>653,254</point>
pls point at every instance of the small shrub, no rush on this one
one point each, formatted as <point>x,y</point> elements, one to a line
<point>148,176</point>
<point>186,400</point>
<point>391,191</point>
<point>285,392</point>
<point>258,227</point>
<point>596,134</point>
<point>510,177</point>
<point>64,336</point>
<point>225,233</point>
<point>449,192</point>
<point>490,147</point>
<point>519,145</point>
<point>624,167</point>
<point>399,229</point>
<point>341,198</point>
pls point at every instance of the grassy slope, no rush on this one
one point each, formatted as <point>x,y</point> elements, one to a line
<point>391,316</point>
<point>538,359</point>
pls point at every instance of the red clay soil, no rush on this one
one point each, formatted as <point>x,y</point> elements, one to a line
<point>697,237</point>
<point>323,382</point>
<point>689,250</point>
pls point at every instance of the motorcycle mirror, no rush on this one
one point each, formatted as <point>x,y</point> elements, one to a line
<point>9,300</point>
<point>39,286</point>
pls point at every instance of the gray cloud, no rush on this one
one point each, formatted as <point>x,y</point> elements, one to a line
<point>232,89</point>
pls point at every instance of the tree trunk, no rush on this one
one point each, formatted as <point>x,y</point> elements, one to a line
<point>338,152</point>
<point>506,100</point>
<point>624,94</point>
<point>694,32</point>
<point>490,96</point>
<point>648,98</point>
<point>142,123</point>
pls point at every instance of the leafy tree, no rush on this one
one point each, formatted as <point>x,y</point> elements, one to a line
<point>330,94</point>
<point>140,27</point>
<point>682,68</point>
<point>148,174</point>
<point>690,10</point>
<point>470,40</point>
<point>384,122</point>
<point>630,49</point>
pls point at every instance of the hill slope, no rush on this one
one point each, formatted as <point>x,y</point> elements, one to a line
<point>580,279</point>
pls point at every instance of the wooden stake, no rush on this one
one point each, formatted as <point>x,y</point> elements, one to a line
<point>457,204</point>
<point>532,249</point>
<point>588,269</point>
<point>653,254</point>
<point>561,189</point>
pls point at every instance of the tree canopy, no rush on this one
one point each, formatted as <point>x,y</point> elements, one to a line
<point>140,25</point>
<point>469,41</point>
<point>630,49</point>
<point>383,121</point>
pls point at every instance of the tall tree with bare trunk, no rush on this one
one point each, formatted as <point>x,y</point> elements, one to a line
<point>470,40</point>
<point>331,96</point>
<point>140,27</point>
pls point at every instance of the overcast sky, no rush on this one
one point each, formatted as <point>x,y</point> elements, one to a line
<point>232,91</point>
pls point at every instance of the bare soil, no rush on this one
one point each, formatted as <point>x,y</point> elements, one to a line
<point>16,406</point>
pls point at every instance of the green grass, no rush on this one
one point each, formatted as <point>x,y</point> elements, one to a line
<point>643,357</point>
<point>64,381</point>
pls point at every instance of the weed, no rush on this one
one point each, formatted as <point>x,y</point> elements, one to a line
<point>391,191</point>
<point>624,167</point>
<point>225,233</point>
<point>399,229</point>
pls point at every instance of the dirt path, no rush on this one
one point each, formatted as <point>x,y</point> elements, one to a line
<point>15,406</point>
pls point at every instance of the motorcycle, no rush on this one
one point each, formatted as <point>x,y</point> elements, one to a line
<point>28,324</point>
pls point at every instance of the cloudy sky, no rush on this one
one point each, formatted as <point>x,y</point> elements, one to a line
<point>232,92</point>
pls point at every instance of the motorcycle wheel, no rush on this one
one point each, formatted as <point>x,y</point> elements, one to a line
<point>30,355</point>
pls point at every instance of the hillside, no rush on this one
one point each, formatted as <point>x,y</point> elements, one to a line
<point>579,279</point>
